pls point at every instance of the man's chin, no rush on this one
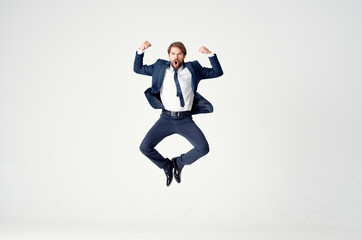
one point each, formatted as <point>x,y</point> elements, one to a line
<point>176,66</point>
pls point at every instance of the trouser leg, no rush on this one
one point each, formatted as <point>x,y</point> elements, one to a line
<point>159,131</point>
<point>195,136</point>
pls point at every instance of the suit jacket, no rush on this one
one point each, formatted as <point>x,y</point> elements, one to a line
<point>157,71</point>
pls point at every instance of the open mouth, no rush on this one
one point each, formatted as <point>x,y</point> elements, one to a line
<point>175,62</point>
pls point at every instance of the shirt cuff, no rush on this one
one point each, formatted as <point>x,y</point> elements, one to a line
<point>140,51</point>
<point>211,54</point>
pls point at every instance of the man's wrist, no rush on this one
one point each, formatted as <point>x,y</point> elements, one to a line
<point>211,54</point>
<point>139,51</point>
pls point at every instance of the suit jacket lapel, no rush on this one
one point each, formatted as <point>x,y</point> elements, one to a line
<point>162,73</point>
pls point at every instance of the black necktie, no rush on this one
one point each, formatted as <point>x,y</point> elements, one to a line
<point>179,92</point>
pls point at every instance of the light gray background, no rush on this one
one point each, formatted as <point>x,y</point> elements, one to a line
<point>285,137</point>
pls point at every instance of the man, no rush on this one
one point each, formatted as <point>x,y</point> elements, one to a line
<point>174,90</point>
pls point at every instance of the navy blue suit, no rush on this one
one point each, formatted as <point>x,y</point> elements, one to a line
<point>168,125</point>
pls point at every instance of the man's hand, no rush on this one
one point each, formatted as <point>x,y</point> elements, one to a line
<point>145,45</point>
<point>204,50</point>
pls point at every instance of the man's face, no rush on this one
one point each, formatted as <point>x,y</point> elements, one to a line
<point>176,57</point>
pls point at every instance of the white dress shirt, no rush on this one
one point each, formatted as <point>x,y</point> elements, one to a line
<point>168,91</point>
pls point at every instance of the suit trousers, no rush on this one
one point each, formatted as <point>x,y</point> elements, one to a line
<point>168,125</point>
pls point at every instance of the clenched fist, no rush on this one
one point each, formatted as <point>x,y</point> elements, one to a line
<point>204,50</point>
<point>145,45</point>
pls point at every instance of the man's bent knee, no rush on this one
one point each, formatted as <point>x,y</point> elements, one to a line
<point>145,149</point>
<point>204,150</point>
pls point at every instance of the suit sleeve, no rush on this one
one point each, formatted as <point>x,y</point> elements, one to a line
<point>139,68</point>
<point>215,71</point>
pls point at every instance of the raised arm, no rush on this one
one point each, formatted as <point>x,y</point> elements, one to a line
<point>138,66</point>
<point>216,70</point>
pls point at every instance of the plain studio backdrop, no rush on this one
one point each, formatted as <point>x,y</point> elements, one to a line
<point>285,136</point>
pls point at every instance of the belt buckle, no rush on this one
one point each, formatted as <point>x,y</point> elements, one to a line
<point>175,114</point>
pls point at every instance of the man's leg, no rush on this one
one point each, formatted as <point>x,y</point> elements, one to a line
<point>159,131</point>
<point>195,136</point>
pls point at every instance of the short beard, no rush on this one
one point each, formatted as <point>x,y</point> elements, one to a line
<point>178,65</point>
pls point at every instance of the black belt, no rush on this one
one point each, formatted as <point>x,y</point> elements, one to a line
<point>177,114</point>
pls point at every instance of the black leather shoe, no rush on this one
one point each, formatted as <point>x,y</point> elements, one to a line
<point>176,170</point>
<point>169,175</point>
